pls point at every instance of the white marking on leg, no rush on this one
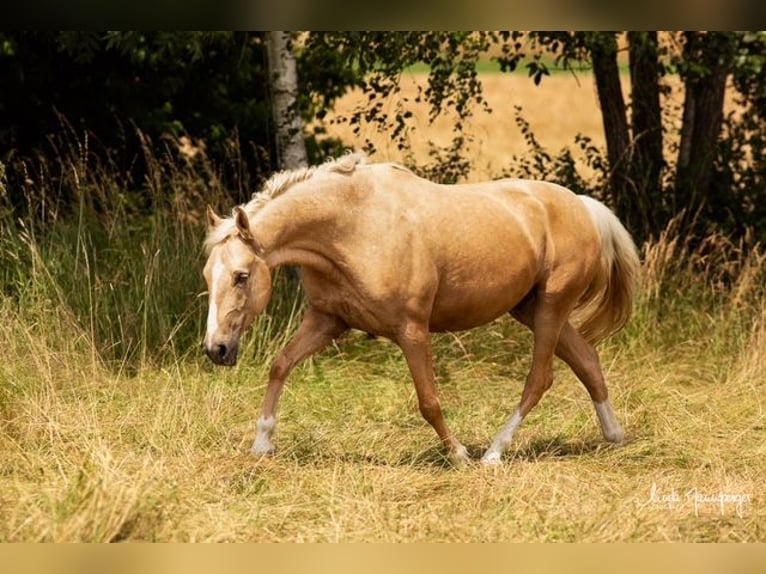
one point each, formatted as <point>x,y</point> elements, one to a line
<point>459,455</point>
<point>212,313</point>
<point>264,428</point>
<point>610,428</point>
<point>502,439</point>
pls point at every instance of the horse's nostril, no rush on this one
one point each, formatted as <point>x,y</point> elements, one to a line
<point>216,352</point>
<point>222,353</point>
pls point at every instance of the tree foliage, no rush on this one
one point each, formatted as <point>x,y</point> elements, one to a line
<point>211,85</point>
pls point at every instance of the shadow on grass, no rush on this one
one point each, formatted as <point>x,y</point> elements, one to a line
<point>541,449</point>
<point>558,447</point>
<point>316,451</point>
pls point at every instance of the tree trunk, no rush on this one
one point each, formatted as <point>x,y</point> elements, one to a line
<point>709,59</point>
<point>646,167</point>
<point>291,148</point>
<point>603,49</point>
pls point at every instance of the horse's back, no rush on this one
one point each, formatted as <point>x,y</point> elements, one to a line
<point>515,198</point>
<point>481,217</point>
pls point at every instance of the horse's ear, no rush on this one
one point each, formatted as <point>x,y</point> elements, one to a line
<point>213,220</point>
<point>242,222</point>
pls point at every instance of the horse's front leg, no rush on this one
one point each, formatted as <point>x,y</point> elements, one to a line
<point>315,332</point>
<point>415,342</point>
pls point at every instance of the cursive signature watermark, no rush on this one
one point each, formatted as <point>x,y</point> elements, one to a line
<point>697,500</point>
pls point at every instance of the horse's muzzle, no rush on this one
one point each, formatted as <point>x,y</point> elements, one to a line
<point>222,354</point>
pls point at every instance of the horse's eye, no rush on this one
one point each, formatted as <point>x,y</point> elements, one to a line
<point>240,277</point>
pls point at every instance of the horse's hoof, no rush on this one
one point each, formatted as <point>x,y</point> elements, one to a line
<point>459,456</point>
<point>262,450</point>
<point>491,458</point>
<point>615,436</point>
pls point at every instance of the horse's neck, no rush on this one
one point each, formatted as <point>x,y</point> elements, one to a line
<point>295,229</point>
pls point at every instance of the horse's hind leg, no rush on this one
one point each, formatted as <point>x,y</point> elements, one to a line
<point>583,359</point>
<point>546,318</point>
<point>315,332</point>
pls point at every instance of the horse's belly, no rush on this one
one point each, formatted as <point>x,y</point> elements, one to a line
<point>466,308</point>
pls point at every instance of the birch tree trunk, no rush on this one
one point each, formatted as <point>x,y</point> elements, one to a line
<point>291,149</point>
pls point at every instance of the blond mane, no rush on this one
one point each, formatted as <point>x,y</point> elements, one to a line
<point>278,184</point>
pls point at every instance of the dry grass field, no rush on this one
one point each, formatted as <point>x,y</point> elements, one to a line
<point>154,447</point>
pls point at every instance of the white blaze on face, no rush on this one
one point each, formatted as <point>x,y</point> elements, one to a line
<point>212,315</point>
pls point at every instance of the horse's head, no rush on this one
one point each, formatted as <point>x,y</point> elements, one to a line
<point>238,283</point>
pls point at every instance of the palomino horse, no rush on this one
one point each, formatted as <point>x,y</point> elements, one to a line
<point>387,252</point>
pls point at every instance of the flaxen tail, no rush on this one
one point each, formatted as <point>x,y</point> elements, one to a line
<point>608,303</point>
